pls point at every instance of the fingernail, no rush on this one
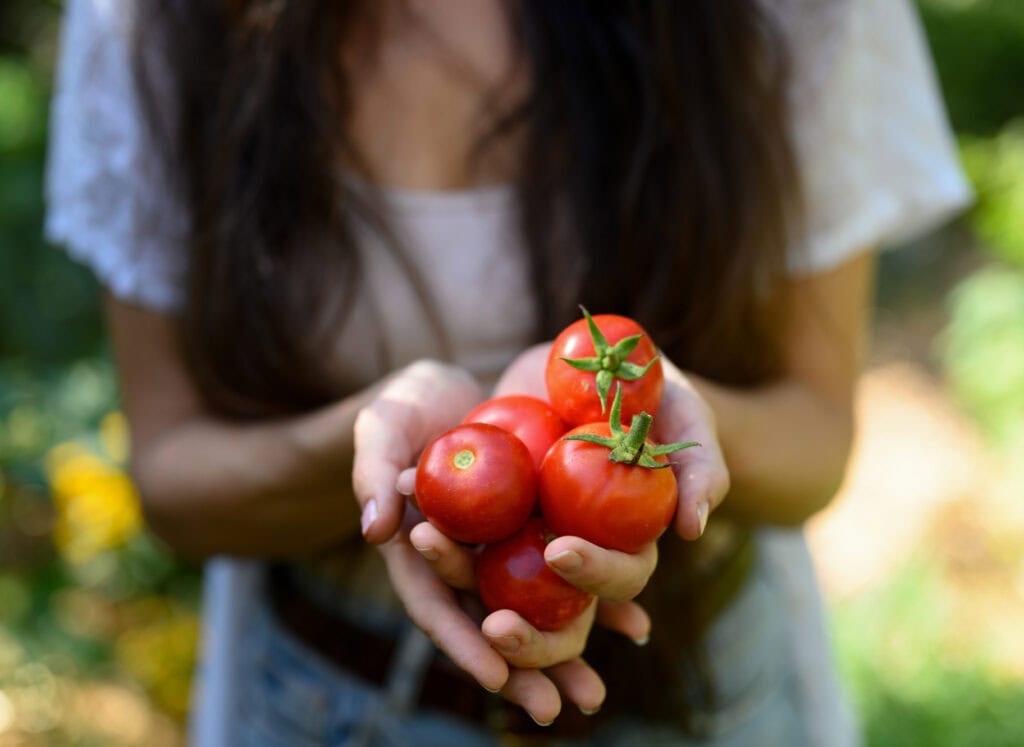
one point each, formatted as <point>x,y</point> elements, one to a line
<point>508,644</point>
<point>403,490</point>
<point>567,562</point>
<point>541,723</point>
<point>642,641</point>
<point>428,552</point>
<point>589,711</point>
<point>492,692</point>
<point>369,516</point>
<point>702,515</point>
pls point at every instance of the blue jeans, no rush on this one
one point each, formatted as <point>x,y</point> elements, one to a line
<point>293,697</point>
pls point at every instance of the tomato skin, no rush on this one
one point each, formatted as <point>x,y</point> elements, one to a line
<point>513,575</point>
<point>615,505</point>
<point>573,393</point>
<point>529,419</point>
<point>485,501</point>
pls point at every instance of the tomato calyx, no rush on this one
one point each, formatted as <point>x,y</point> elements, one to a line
<point>631,447</point>
<point>610,362</point>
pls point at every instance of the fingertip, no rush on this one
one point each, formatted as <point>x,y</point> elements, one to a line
<point>566,562</point>
<point>423,535</point>
<point>406,482</point>
<point>502,624</point>
<point>368,520</point>
<point>381,519</point>
<point>687,523</point>
<point>535,693</point>
<point>693,491</point>
<point>626,618</point>
<point>494,682</point>
<point>562,544</point>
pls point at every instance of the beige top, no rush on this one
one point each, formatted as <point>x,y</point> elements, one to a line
<point>466,248</point>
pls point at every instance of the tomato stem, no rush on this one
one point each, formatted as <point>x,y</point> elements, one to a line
<point>631,447</point>
<point>609,362</point>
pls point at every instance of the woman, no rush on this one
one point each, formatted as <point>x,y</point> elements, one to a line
<point>299,208</point>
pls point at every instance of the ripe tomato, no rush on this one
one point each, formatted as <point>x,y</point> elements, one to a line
<point>512,575</point>
<point>617,505</point>
<point>603,349</point>
<point>476,483</point>
<point>529,419</point>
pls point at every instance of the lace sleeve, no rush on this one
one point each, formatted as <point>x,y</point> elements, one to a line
<point>873,143</point>
<point>108,201</point>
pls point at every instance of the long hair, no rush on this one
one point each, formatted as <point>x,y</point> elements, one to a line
<point>656,180</point>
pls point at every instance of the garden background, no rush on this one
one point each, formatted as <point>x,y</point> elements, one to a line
<point>921,556</point>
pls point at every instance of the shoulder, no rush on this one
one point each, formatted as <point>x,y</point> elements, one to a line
<point>108,197</point>
<point>874,147</point>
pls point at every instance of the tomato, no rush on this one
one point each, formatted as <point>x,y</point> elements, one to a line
<point>617,505</point>
<point>512,575</point>
<point>476,483</point>
<point>604,349</point>
<point>529,419</point>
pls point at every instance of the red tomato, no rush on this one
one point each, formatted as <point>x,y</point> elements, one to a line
<point>512,575</point>
<point>619,506</point>
<point>574,393</point>
<point>529,419</point>
<point>476,483</point>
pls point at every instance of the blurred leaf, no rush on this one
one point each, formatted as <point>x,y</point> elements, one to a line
<point>996,167</point>
<point>983,349</point>
<point>896,654</point>
<point>22,107</point>
<point>979,55</point>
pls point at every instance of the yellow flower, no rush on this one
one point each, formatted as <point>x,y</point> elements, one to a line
<point>160,655</point>
<point>114,437</point>
<point>97,505</point>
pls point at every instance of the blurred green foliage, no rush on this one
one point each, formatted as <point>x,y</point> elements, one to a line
<point>977,47</point>
<point>49,312</point>
<point>984,350</point>
<point>86,596</point>
<point>980,52</point>
<point>912,682</point>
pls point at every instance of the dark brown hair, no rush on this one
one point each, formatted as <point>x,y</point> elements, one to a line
<point>657,181</point>
<point>655,137</point>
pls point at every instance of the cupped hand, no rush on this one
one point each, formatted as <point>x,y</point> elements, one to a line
<point>547,665</point>
<point>414,405</point>
<point>701,473</point>
<point>684,415</point>
<point>417,403</point>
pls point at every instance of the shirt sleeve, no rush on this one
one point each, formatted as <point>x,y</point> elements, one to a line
<point>108,200</point>
<point>874,148</point>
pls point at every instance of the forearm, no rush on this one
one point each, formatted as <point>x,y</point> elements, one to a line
<point>786,447</point>
<point>268,489</point>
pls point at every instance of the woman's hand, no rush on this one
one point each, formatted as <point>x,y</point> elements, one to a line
<point>545,664</point>
<point>684,415</point>
<point>701,473</point>
<point>416,404</point>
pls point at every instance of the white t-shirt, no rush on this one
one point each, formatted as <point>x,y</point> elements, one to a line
<point>874,151</point>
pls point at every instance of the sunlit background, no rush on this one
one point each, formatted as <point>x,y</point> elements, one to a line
<point>921,556</point>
